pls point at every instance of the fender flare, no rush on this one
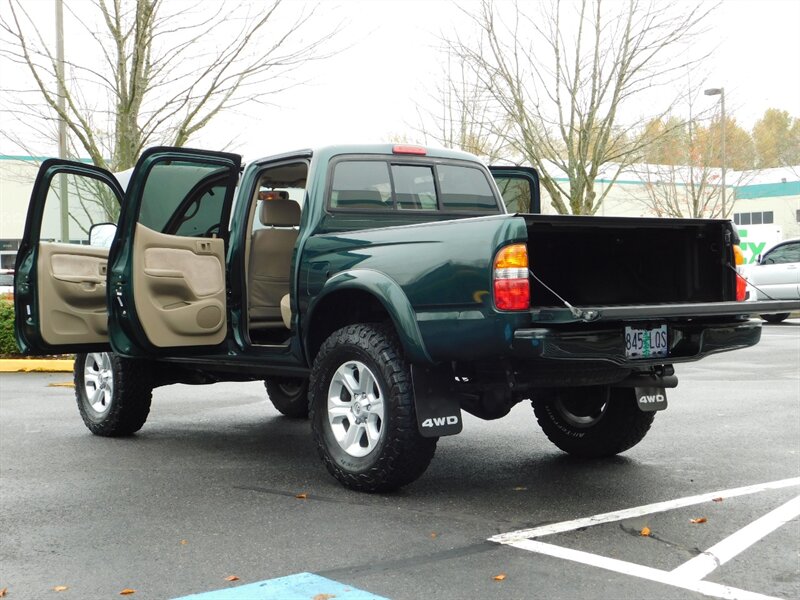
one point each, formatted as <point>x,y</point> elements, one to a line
<point>393,299</point>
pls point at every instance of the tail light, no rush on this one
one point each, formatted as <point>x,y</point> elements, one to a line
<point>741,284</point>
<point>511,287</point>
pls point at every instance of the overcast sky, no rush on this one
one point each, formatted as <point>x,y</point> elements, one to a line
<point>370,90</point>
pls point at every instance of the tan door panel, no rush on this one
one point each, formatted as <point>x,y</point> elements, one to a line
<point>72,293</point>
<point>179,288</point>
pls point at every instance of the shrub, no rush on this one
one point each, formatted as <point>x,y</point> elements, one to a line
<point>8,344</point>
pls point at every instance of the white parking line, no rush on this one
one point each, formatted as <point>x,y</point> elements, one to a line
<point>688,576</point>
<point>701,565</point>
<point>638,511</point>
<point>707,588</point>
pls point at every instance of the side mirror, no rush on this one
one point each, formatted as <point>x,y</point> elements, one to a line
<point>758,259</point>
<point>102,234</point>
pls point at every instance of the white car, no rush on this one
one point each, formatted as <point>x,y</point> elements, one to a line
<point>776,276</point>
<point>6,282</point>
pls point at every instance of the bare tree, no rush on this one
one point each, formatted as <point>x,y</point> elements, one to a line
<point>156,73</point>
<point>464,118</point>
<point>681,163</point>
<point>564,82</point>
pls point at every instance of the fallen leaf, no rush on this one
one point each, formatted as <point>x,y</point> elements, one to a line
<point>127,592</point>
<point>698,520</point>
<point>520,488</point>
<point>231,578</point>
<point>645,531</point>
<point>302,496</point>
<point>434,535</point>
<point>720,499</point>
<point>3,592</point>
<point>60,588</point>
<point>324,596</point>
<point>184,542</point>
<point>499,577</point>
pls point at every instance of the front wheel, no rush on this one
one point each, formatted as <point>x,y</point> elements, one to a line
<point>289,396</point>
<point>592,422</point>
<point>362,411</point>
<point>775,318</point>
<point>113,393</point>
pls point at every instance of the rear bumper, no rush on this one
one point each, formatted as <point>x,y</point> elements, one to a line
<point>689,340</point>
<point>661,312</point>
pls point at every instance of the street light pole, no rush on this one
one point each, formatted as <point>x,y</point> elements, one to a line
<point>62,124</point>
<point>721,93</point>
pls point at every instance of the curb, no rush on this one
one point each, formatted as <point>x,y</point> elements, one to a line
<point>15,365</point>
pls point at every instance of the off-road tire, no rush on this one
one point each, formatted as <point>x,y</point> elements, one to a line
<point>129,405</point>
<point>401,455</point>
<point>775,318</point>
<point>289,396</point>
<point>592,422</point>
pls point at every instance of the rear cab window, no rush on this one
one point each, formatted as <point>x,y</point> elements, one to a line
<point>388,184</point>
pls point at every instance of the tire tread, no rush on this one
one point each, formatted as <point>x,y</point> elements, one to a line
<point>406,454</point>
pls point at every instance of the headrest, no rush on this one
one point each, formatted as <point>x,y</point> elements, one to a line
<point>279,213</point>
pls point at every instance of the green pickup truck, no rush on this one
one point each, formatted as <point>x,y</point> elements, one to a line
<point>377,290</point>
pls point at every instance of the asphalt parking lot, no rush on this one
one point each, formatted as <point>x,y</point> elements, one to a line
<point>208,490</point>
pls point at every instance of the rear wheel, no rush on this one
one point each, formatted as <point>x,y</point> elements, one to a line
<point>592,421</point>
<point>775,318</point>
<point>289,396</point>
<point>113,393</point>
<point>362,411</point>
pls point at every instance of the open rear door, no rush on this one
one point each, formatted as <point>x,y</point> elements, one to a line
<point>519,187</point>
<point>60,289</point>
<point>167,280</point>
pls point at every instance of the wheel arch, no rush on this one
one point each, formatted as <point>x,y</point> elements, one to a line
<point>362,296</point>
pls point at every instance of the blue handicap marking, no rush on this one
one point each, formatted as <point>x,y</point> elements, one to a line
<point>302,586</point>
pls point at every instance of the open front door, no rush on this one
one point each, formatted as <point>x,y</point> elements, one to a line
<point>519,187</point>
<point>168,283</point>
<point>60,289</point>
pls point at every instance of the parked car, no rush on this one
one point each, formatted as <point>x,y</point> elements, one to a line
<point>6,283</point>
<point>776,276</point>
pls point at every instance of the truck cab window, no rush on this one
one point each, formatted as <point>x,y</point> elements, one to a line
<point>370,185</point>
<point>74,203</point>
<point>414,188</point>
<point>465,189</point>
<point>184,199</point>
<point>361,184</point>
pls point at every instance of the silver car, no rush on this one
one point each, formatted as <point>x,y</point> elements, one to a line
<point>6,283</point>
<point>776,276</point>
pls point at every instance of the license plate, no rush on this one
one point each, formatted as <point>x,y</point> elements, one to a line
<point>646,343</point>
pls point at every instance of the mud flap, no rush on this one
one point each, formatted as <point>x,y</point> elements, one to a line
<point>651,399</point>
<point>437,407</point>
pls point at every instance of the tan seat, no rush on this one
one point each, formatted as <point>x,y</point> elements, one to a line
<point>269,270</point>
<point>286,311</point>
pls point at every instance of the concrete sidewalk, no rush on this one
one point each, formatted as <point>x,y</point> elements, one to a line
<point>40,365</point>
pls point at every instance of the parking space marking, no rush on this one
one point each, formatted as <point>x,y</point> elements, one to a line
<point>300,586</point>
<point>639,511</point>
<point>701,565</point>
<point>688,576</point>
<point>707,588</point>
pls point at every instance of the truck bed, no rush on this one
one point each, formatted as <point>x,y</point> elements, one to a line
<point>614,261</point>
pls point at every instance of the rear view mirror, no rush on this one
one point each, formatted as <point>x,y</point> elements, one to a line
<point>102,234</point>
